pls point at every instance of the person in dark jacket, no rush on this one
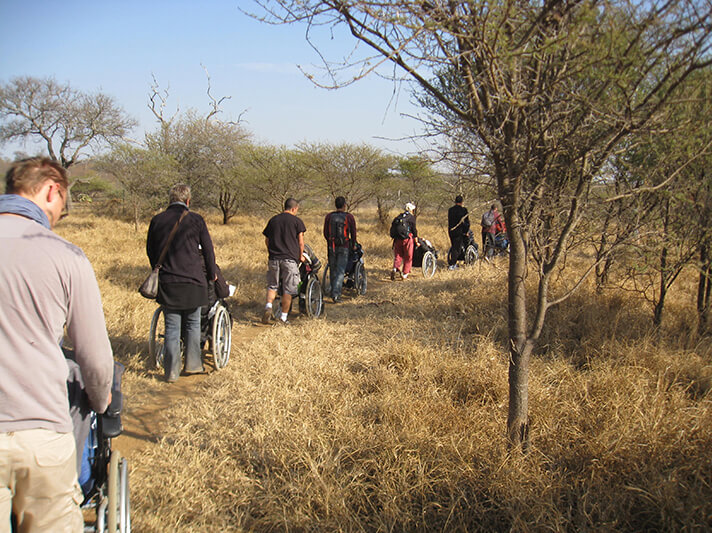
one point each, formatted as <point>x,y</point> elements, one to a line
<point>458,224</point>
<point>182,285</point>
<point>403,248</point>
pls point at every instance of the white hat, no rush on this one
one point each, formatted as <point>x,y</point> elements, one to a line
<point>409,207</point>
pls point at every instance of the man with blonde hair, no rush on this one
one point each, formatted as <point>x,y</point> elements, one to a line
<point>46,284</point>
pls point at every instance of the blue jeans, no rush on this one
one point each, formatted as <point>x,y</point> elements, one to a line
<point>187,321</point>
<point>338,259</point>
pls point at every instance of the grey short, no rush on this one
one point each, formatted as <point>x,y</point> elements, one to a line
<point>286,270</point>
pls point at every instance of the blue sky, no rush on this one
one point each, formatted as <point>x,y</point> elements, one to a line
<point>117,47</point>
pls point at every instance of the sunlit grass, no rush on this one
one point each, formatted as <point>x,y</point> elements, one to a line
<point>389,413</point>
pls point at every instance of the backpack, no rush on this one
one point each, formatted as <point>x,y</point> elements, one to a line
<point>487,219</point>
<point>400,229</point>
<point>337,228</point>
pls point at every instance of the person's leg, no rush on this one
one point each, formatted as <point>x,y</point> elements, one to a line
<point>44,472</point>
<point>191,341</point>
<point>289,272</point>
<point>171,357</point>
<point>341,258</point>
<point>408,246</point>
<point>397,254</point>
<point>6,480</point>
<point>272,287</point>
<point>331,258</point>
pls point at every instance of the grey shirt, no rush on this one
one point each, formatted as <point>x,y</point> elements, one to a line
<point>46,283</point>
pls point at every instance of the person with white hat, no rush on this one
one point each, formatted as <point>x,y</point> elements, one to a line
<point>405,237</point>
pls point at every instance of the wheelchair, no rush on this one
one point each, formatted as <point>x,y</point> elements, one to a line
<point>215,329</point>
<point>102,472</point>
<point>496,245</point>
<point>468,251</point>
<point>311,296</point>
<point>425,256</point>
<point>355,275</point>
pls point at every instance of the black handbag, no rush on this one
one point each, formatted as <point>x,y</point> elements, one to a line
<point>149,288</point>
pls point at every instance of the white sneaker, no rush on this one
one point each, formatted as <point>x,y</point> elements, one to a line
<point>452,267</point>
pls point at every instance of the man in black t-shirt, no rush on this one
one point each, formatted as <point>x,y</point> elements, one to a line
<point>284,237</point>
<point>458,224</point>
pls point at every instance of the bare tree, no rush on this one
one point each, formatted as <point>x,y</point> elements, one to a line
<point>550,88</point>
<point>66,120</point>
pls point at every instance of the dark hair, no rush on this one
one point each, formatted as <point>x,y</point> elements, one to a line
<point>290,203</point>
<point>28,175</point>
<point>494,206</point>
<point>458,199</point>
<point>340,202</point>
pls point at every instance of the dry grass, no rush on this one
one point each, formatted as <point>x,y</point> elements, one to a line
<point>389,413</point>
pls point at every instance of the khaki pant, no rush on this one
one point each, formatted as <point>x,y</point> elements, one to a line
<point>38,482</point>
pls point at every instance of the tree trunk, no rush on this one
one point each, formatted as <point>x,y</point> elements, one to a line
<point>660,305</point>
<point>382,212</point>
<point>703,290</point>
<point>520,346</point>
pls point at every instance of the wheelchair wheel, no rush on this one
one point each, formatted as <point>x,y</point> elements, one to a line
<point>221,337</point>
<point>118,507</point>
<point>471,255</point>
<point>314,298</point>
<point>326,281</point>
<point>156,338</point>
<point>429,264</point>
<point>360,282</point>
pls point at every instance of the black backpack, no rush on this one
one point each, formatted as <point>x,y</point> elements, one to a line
<point>400,229</point>
<point>337,228</point>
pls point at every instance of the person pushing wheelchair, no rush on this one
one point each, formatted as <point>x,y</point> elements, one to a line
<point>340,235</point>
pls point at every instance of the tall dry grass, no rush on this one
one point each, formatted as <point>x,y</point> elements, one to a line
<point>389,413</point>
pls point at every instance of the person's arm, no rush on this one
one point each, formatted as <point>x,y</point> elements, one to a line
<point>86,328</point>
<point>413,228</point>
<point>149,245</point>
<point>206,246</point>
<point>352,229</point>
<point>301,247</point>
<point>326,227</point>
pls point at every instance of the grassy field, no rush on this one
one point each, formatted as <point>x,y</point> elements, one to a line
<point>389,413</point>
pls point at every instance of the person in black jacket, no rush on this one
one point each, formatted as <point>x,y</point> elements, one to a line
<point>182,285</point>
<point>458,224</point>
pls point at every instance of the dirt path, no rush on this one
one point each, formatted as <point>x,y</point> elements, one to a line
<point>143,418</point>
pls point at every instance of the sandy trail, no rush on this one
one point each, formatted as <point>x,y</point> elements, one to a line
<point>144,418</point>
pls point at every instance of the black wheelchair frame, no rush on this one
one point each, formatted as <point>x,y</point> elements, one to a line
<point>468,251</point>
<point>355,275</point>
<point>425,256</point>
<point>309,291</point>
<point>215,329</point>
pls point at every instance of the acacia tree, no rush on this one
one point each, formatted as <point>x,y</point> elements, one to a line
<point>66,120</point>
<point>419,181</point>
<point>144,174</point>
<point>348,170</point>
<point>550,89</point>
<point>274,174</point>
<point>209,154</point>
